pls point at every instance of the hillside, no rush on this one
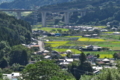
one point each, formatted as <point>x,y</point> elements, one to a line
<point>99,12</point>
<point>30,4</point>
<point>14,31</point>
<point>3,1</point>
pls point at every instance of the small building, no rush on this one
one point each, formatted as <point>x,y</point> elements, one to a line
<point>106,60</point>
<point>57,34</point>
<point>12,76</point>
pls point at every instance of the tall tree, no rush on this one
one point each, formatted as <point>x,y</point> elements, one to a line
<point>19,54</point>
<point>44,70</point>
<point>82,58</point>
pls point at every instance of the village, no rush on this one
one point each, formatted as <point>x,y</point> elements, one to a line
<point>68,56</point>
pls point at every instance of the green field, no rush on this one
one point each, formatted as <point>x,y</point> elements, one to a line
<point>48,29</point>
<point>61,46</point>
<point>26,13</point>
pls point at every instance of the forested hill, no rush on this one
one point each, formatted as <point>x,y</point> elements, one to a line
<point>2,1</point>
<point>14,31</point>
<point>99,12</point>
<point>30,4</point>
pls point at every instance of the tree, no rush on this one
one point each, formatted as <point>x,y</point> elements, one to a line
<point>3,63</point>
<point>105,74</point>
<point>44,70</point>
<point>48,47</point>
<point>69,54</point>
<point>4,51</point>
<point>1,77</point>
<point>82,58</point>
<point>116,55</point>
<point>97,55</point>
<point>19,54</point>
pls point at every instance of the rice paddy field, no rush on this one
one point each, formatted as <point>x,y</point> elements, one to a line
<point>100,26</point>
<point>48,29</point>
<point>90,39</point>
<point>62,46</point>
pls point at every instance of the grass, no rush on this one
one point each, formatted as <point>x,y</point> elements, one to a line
<point>48,29</point>
<point>113,37</point>
<point>73,36</point>
<point>108,32</point>
<point>26,13</point>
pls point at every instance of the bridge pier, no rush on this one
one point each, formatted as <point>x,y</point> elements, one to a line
<point>18,14</point>
<point>43,19</point>
<point>66,17</point>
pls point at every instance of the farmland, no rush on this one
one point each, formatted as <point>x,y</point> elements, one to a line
<point>73,45</point>
<point>48,29</point>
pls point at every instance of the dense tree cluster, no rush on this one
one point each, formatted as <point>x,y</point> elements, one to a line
<point>14,31</point>
<point>45,70</point>
<point>98,12</point>
<point>10,55</point>
<point>28,4</point>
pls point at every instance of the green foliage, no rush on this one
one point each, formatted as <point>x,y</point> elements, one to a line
<point>7,71</point>
<point>4,51</point>
<point>19,54</point>
<point>28,4</point>
<point>15,67</point>
<point>1,78</point>
<point>44,70</point>
<point>14,31</point>
<point>3,63</point>
<point>105,74</point>
<point>48,47</point>
<point>82,58</point>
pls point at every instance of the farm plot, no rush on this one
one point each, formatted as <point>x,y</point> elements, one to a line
<point>62,46</point>
<point>55,30</point>
<point>56,43</point>
<point>103,54</point>
<point>90,39</point>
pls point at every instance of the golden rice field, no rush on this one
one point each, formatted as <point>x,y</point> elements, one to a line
<point>106,55</point>
<point>57,43</point>
<point>50,29</point>
<point>101,55</point>
<point>114,45</point>
<point>74,51</point>
<point>73,36</point>
<point>90,39</point>
<point>100,26</point>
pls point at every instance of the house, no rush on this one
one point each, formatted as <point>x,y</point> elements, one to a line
<point>106,60</point>
<point>12,76</point>
<point>57,34</point>
<point>47,57</point>
<point>116,33</point>
<point>94,48</point>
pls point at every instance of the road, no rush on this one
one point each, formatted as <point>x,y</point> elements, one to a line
<point>41,45</point>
